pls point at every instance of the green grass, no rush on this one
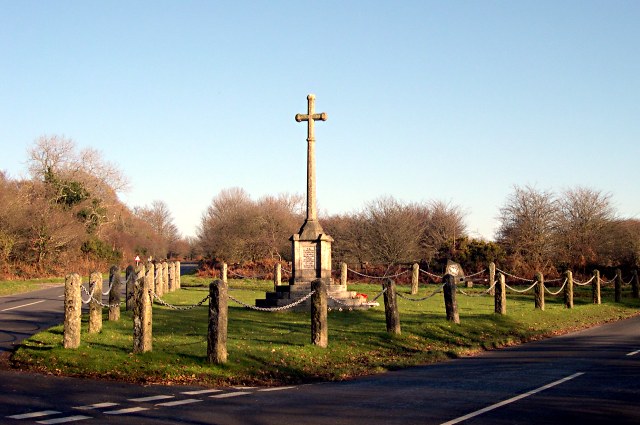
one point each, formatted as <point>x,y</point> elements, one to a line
<point>274,348</point>
<point>11,287</point>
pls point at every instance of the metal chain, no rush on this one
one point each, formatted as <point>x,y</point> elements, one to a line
<point>475,274</point>
<point>378,277</point>
<point>339,302</point>
<point>177,307</point>
<point>559,290</point>
<point>584,283</point>
<point>272,309</point>
<point>521,291</point>
<point>437,291</point>
<point>379,295</point>
<point>481,294</point>
<point>431,274</point>
<point>92,298</point>
<point>513,276</point>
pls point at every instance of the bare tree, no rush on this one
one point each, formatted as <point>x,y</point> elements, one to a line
<point>528,228</point>
<point>444,224</point>
<point>159,217</point>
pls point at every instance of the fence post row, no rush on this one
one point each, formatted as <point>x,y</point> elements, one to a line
<point>500,297</point>
<point>568,289</point>
<point>72,311</point>
<point>595,287</point>
<point>539,291</point>
<point>142,309</point>
<point>391,313</point>
<point>415,270</point>
<point>218,319</point>
<point>319,326</point>
<point>492,277</point>
<point>114,293</point>
<point>95,306</point>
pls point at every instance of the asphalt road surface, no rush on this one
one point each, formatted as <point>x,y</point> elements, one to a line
<point>588,377</point>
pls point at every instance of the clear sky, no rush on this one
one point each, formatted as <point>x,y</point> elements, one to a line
<point>450,100</point>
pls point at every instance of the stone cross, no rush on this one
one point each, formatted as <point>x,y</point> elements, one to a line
<point>311,117</point>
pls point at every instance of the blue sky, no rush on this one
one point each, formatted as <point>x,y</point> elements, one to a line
<point>450,100</point>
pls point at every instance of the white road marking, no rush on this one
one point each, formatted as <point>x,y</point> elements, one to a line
<point>23,305</point>
<point>64,420</point>
<point>179,402</point>
<point>511,400</point>
<point>275,389</point>
<point>198,392</point>
<point>228,395</point>
<point>34,414</point>
<point>633,353</point>
<point>95,406</point>
<point>243,388</point>
<point>152,398</point>
<point>125,411</point>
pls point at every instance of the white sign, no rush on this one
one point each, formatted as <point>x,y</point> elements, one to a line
<point>309,257</point>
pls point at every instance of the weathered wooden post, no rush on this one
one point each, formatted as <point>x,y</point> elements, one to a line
<point>142,320</point>
<point>492,277</point>
<point>72,311</point>
<point>171,276</point>
<point>450,302</point>
<point>223,272</point>
<point>129,280</point>
<point>218,319</point>
<point>158,286</point>
<point>165,276</point>
<point>391,313</point>
<point>114,293</point>
<point>618,286</point>
<point>568,289</point>
<point>343,273</point>
<point>635,285</point>
<point>415,273</point>
<point>539,291</point>
<point>95,303</point>
<point>178,282</point>
<point>277,276</point>
<point>595,287</point>
<point>319,327</point>
<point>500,297</point>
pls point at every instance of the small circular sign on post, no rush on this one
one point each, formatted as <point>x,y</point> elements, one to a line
<point>137,259</point>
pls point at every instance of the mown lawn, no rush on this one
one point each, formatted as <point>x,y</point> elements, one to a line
<point>11,287</point>
<point>274,348</point>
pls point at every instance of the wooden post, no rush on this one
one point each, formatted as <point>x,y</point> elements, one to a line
<point>595,287</point>
<point>343,274</point>
<point>492,277</point>
<point>178,282</point>
<point>568,289</point>
<point>319,327</point>
<point>415,274</point>
<point>223,272</point>
<point>635,285</point>
<point>72,311</point>
<point>618,286</point>
<point>165,276</point>
<point>450,302</point>
<point>114,293</point>
<point>95,307</point>
<point>157,279</point>
<point>500,297</point>
<point>171,276</point>
<point>391,313</point>
<point>218,319</point>
<point>142,309</point>
<point>277,276</point>
<point>539,291</point>
<point>129,281</point>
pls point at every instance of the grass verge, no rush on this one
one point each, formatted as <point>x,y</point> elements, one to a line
<point>274,348</point>
<point>11,287</point>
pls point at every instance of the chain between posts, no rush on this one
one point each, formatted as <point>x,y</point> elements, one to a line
<point>378,277</point>
<point>558,291</point>
<point>514,276</point>
<point>272,309</point>
<point>431,274</point>
<point>99,302</point>
<point>481,294</point>
<point>584,283</point>
<point>437,291</point>
<point>177,307</point>
<point>521,291</point>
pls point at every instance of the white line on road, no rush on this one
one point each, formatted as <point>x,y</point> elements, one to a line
<point>95,406</point>
<point>275,389</point>
<point>511,400</point>
<point>23,305</point>
<point>228,395</point>
<point>34,414</point>
<point>198,392</point>
<point>179,402</point>
<point>64,420</point>
<point>633,353</point>
<point>152,398</point>
<point>125,411</point>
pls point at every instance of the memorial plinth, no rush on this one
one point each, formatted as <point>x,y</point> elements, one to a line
<point>311,246</point>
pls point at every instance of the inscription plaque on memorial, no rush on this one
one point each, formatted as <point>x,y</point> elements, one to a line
<point>309,257</point>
